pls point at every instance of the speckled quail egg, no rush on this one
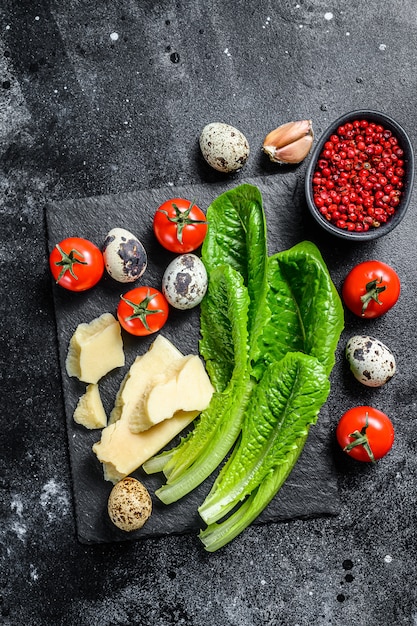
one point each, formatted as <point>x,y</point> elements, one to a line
<point>124,256</point>
<point>129,504</point>
<point>184,282</point>
<point>224,147</point>
<point>371,362</point>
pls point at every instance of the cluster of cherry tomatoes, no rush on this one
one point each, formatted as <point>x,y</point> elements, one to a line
<point>370,290</point>
<point>77,264</point>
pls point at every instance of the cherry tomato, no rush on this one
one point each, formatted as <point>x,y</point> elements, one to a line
<point>370,289</point>
<point>76,264</point>
<point>142,311</point>
<point>365,433</point>
<point>179,225</point>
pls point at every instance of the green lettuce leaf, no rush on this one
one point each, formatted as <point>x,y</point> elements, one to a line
<point>217,535</point>
<point>237,237</point>
<point>283,405</point>
<point>224,326</point>
<point>306,311</point>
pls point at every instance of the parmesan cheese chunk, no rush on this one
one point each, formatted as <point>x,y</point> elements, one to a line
<point>121,452</point>
<point>189,389</point>
<point>129,400</point>
<point>143,405</point>
<point>95,349</point>
<point>89,411</point>
<point>167,375</point>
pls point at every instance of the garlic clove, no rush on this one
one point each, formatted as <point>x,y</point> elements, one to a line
<point>297,134</point>
<point>295,152</point>
<point>287,133</point>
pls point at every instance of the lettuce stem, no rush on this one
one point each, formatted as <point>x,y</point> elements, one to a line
<point>217,535</point>
<point>228,427</point>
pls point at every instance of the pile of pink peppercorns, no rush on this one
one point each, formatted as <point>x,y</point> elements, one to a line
<point>358,179</point>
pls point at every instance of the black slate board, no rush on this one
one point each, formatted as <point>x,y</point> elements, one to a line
<point>311,489</point>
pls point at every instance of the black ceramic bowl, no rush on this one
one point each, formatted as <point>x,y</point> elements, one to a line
<point>408,158</point>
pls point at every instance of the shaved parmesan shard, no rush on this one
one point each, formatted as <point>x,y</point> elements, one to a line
<point>160,395</point>
<point>121,452</point>
<point>89,411</point>
<point>95,349</point>
<point>189,389</point>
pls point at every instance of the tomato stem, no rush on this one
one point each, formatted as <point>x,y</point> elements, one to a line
<point>360,438</point>
<point>182,218</point>
<point>140,309</point>
<point>68,261</point>
<point>372,293</point>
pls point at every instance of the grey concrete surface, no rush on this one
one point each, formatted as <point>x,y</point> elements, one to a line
<point>106,97</point>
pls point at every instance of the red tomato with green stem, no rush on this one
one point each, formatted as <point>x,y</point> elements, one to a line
<point>142,311</point>
<point>76,264</point>
<point>179,225</point>
<point>371,289</point>
<point>365,433</point>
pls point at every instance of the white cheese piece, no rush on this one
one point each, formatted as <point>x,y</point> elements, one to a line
<point>137,431</point>
<point>189,389</point>
<point>95,349</point>
<point>164,375</point>
<point>160,356</point>
<point>89,411</point>
<point>121,452</point>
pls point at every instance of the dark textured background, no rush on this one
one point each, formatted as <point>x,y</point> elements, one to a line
<point>105,98</point>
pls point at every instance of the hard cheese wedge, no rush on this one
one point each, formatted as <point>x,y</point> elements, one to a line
<point>188,389</point>
<point>121,452</point>
<point>89,411</point>
<point>161,356</point>
<point>95,349</point>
